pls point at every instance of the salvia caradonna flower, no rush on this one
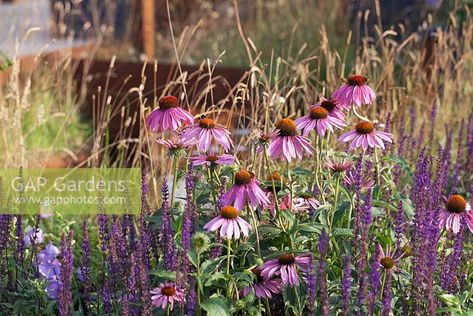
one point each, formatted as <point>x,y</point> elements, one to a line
<point>323,246</point>
<point>34,236</point>
<point>455,211</point>
<point>338,165</point>
<point>85,261</point>
<point>229,223</point>
<point>20,243</point>
<point>213,160</point>
<point>167,234</point>
<point>375,279</point>
<point>387,296</point>
<point>346,286</point>
<point>65,277</point>
<point>263,287</point>
<point>318,119</point>
<point>206,130</point>
<point>366,135</point>
<point>355,91</point>
<point>246,189</point>
<point>286,144</point>
<point>286,267</point>
<point>311,281</point>
<point>167,294</point>
<point>168,115</point>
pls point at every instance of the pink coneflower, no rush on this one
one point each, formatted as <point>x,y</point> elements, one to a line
<point>229,223</point>
<point>355,92</point>
<point>166,294</point>
<point>263,287</point>
<point>389,259</point>
<point>205,130</point>
<point>338,165</point>
<point>263,140</point>
<point>245,190</point>
<point>286,266</point>
<point>365,135</point>
<point>176,145</point>
<point>286,144</point>
<point>306,202</point>
<point>333,108</point>
<point>456,210</point>
<point>318,119</point>
<point>213,160</point>
<point>168,115</point>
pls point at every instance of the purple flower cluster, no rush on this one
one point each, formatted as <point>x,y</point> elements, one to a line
<point>49,268</point>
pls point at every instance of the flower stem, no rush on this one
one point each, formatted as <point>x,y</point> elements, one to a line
<point>378,175</point>
<point>198,283</point>
<point>382,288</point>
<point>335,203</point>
<point>291,188</point>
<point>358,115</point>
<point>255,225</point>
<point>229,247</point>
<point>210,176</point>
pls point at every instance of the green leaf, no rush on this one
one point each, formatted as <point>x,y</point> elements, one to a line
<point>164,274</point>
<point>268,231</point>
<point>310,228</point>
<point>402,162</point>
<point>342,232</point>
<point>216,306</point>
<point>209,265</point>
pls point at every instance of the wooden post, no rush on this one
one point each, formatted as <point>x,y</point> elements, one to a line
<point>147,14</point>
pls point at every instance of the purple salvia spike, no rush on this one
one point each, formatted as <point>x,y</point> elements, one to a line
<point>65,277</point>
<point>167,235</point>
<point>311,286</point>
<point>387,296</point>
<point>144,284</point>
<point>85,263</point>
<point>322,281</point>
<point>346,287</point>
<point>375,279</point>
<point>191,298</point>
<point>399,225</point>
